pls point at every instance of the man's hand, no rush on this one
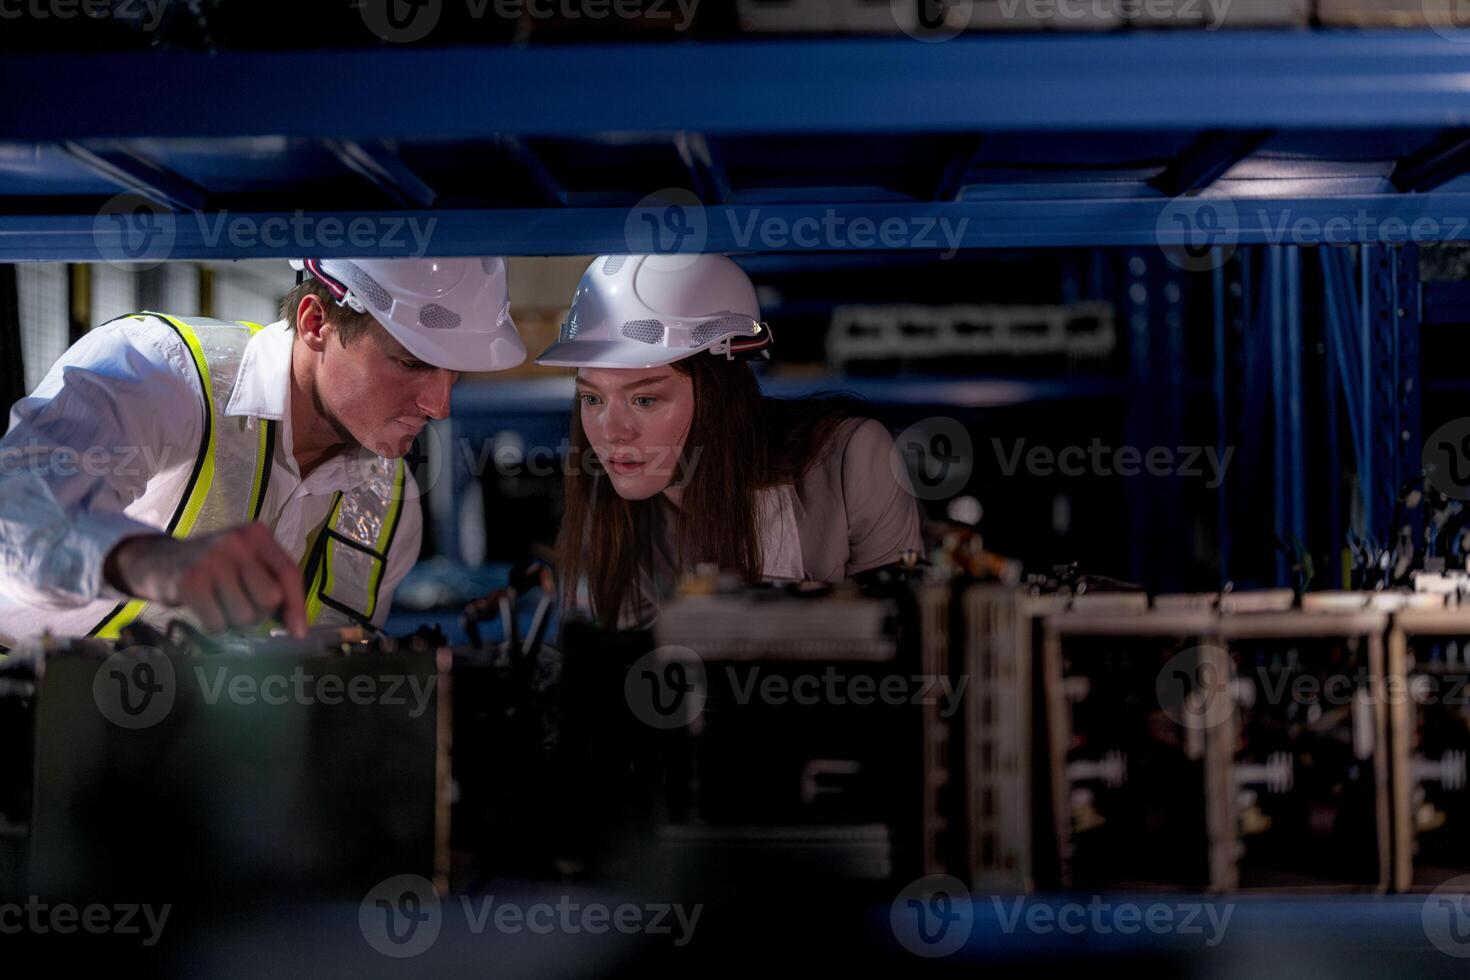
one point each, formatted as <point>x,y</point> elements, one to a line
<point>228,579</point>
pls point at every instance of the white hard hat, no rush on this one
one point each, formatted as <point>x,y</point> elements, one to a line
<point>452,313</point>
<point>640,311</point>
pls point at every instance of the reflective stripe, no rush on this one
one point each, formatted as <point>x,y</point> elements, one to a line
<point>385,537</point>
<point>204,466</point>
<point>263,457</point>
<point>196,490</point>
<point>263,467</point>
<point>122,616</point>
<point>319,569</point>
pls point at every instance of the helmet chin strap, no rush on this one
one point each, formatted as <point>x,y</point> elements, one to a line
<point>746,350</point>
<point>340,293</point>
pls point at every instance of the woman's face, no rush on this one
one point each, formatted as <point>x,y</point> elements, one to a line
<point>636,420</point>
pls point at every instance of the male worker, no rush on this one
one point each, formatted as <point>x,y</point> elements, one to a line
<point>240,472</point>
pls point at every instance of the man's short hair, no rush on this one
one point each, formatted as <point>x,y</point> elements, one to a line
<point>350,326</point>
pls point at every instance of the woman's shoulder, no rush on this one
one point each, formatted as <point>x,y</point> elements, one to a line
<point>848,451</point>
<point>857,435</point>
<point>859,514</point>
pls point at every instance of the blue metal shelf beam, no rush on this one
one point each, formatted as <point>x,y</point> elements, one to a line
<point>143,177</point>
<point>1436,166</point>
<point>952,182</point>
<point>927,226</point>
<point>1183,80</point>
<point>706,167</point>
<point>1207,159</point>
<point>380,165</point>
<point>545,183</point>
<point>791,146</point>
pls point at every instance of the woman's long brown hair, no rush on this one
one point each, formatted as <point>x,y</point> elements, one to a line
<point>739,442</point>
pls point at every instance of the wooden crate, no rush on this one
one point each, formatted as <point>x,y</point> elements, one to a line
<point>1124,650</point>
<point>1359,635</point>
<point>1428,781</point>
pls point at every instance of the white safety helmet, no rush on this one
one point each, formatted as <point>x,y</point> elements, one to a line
<point>641,311</point>
<point>452,313</point>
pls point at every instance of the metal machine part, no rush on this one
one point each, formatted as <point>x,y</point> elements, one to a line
<point>846,701</point>
<point>200,767</point>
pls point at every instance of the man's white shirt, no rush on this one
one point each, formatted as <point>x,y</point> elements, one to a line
<point>103,449</point>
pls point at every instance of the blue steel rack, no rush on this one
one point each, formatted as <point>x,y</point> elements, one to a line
<point>1230,140</point>
<point>1031,141</point>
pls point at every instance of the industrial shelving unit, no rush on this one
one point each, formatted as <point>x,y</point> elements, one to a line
<point>1037,140</point>
<point>1220,146</point>
<point>1176,170</point>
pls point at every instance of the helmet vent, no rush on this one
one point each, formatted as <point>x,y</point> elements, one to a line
<point>491,264</point>
<point>368,290</point>
<point>435,317</point>
<point>644,331</point>
<point>613,264</point>
<point>715,329</point>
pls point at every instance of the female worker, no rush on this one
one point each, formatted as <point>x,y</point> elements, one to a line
<point>691,464</point>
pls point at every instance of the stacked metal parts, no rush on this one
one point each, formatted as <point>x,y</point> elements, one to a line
<point>1020,739</point>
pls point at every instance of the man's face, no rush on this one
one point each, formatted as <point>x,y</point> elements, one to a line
<point>374,392</point>
<point>636,420</point>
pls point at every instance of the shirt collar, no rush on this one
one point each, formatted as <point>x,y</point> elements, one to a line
<point>260,385</point>
<point>261,391</point>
